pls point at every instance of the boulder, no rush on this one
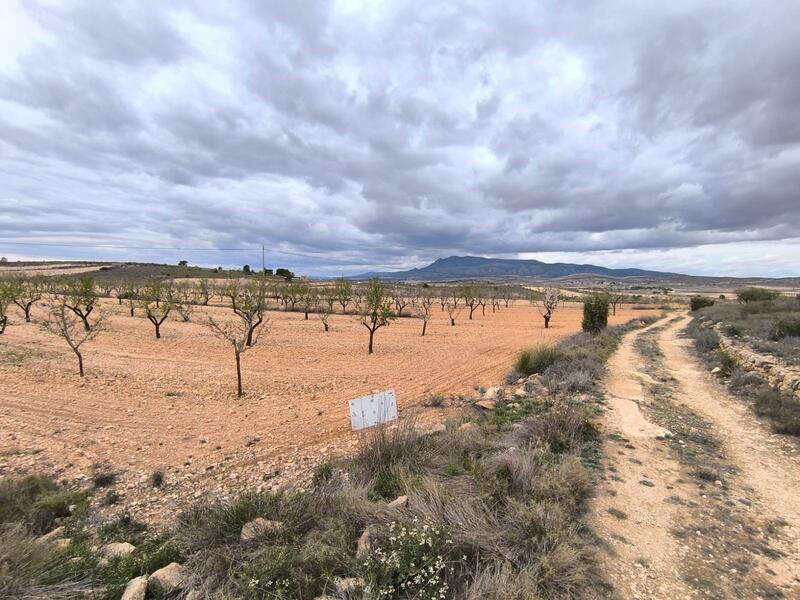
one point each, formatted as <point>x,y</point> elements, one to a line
<point>491,393</point>
<point>117,550</point>
<point>136,588</point>
<point>167,579</point>
<point>399,502</point>
<point>51,536</point>
<point>715,370</point>
<point>364,545</point>
<point>487,404</point>
<point>520,392</point>
<point>260,527</point>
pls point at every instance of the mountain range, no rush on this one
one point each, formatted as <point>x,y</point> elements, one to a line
<point>476,267</point>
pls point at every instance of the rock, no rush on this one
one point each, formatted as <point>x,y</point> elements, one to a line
<point>136,588</point>
<point>257,528</point>
<point>51,536</point>
<point>535,379</point>
<point>116,550</point>
<point>193,595</point>
<point>487,404</point>
<point>350,585</point>
<point>167,579</point>
<point>62,543</point>
<point>521,380</point>
<point>364,545</point>
<point>399,502</point>
<point>520,392</point>
<point>715,370</point>
<point>491,393</point>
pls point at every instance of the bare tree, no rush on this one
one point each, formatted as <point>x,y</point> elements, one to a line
<point>614,298</point>
<point>185,300</point>
<point>548,304</point>
<point>81,297</point>
<point>130,292</point>
<point>324,306</point>
<point>65,323</point>
<point>26,293</point>
<point>507,294</point>
<point>244,332</point>
<point>453,310</point>
<point>426,300</point>
<point>375,309</point>
<point>343,291</point>
<point>204,291</point>
<point>471,298</point>
<point>157,301</point>
<point>401,300</point>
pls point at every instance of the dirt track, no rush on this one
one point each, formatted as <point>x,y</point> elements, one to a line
<point>170,403</point>
<point>680,535</point>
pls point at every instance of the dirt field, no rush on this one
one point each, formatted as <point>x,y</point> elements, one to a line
<point>170,404</point>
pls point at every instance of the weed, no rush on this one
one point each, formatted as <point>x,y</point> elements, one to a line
<point>537,358</point>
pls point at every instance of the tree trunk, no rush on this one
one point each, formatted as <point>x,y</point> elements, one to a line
<point>547,321</point>
<point>239,391</point>
<point>306,315</point>
<point>325,325</point>
<point>424,327</point>
<point>85,319</point>
<point>120,301</point>
<point>371,335</point>
<point>483,309</point>
<point>3,321</point>
<point>80,363</point>
<point>132,309</point>
<point>472,310</point>
<point>452,322</point>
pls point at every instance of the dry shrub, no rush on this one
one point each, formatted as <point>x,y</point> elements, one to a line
<point>35,571</point>
<point>520,468</point>
<point>561,429</point>
<point>384,446</point>
<point>706,340</point>
<point>501,581</point>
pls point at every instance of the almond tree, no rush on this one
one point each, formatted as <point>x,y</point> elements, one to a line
<point>25,294</point>
<point>548,304</point>
<point>130,291</point>
<point>158,300</point>
<point>614,298</point>
<point>324,307</point>
<point>507,294</point>
<point>453,310</point>
<point>185,301</point>
<point>250,304</point>
<point>244,332</point>
<point>204,291</point>
<point>5,301</point>
<point>471,298</point>
<point>343,290</point>
<point>401,300</point>
<point>376,310</point>
<point>81,297</point>
<point>65,323</point>
<point>426,302</point>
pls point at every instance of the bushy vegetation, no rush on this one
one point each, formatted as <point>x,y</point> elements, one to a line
<point>595,313</point>
<point>698,302</point>
<point>537,358</point>
<point>756,294</point>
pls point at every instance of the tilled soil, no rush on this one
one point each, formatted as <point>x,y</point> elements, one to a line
<point>170,404</point>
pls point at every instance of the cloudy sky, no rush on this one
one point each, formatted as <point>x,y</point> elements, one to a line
<point>346,134</point>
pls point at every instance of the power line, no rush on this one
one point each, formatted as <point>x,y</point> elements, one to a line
<point>175,248</point>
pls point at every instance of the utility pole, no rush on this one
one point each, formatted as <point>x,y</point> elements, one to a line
<point>263,269</point>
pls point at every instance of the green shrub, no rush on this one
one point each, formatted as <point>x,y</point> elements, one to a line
<point>756,294</point>
<point>698,302</point>
<point>595,313</point>
<point>728,363</point>
<point>537,358</point>
<point>411,562</point>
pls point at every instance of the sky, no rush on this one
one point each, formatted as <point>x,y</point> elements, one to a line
<point>351,135</point>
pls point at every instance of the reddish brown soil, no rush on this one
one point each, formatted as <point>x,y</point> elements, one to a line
<point>170,404</point>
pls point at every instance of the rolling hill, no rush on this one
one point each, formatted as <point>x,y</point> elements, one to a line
<point>475,267</point>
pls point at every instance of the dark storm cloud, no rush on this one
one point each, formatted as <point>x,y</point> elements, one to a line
<point>391,133</point>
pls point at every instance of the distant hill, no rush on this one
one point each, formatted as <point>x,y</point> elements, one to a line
<point>475,267</point>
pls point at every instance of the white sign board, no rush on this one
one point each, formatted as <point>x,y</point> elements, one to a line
<point>368,411</point>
